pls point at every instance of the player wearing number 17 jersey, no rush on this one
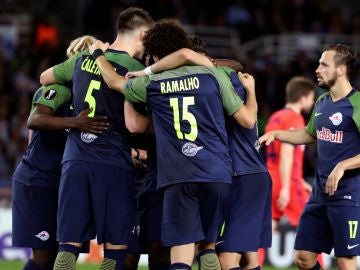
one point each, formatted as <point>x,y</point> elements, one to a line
<point>96,188</point>
<point>331,216</point>
<point>194,166</point>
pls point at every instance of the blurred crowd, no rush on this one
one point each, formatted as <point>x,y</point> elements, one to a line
<point>49,33</point>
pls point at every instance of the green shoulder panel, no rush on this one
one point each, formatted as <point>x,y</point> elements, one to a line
<point>231,100</point>
<point>355,102</point>
<point>125,60</point>
<point>64,71</point>
<point>311,124</point>
<point>135,89</point>
<point>52,96</point>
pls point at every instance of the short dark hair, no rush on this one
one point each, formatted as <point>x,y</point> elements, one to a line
<point>165,37</point>
<point>344,55</point>
<point>132,18</point>
<point>298,87</point>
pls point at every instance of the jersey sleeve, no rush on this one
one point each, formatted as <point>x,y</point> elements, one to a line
<point>230,99</point>
<point>355,101</point>
<point>311,125</point>
<point>52,96</point>
<point>64,71</point>
<point>135,89</point>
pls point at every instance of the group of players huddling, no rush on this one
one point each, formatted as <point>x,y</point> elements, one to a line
<point>206,189</point>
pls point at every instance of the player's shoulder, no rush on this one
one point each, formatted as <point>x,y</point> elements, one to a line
<point>124,59</point>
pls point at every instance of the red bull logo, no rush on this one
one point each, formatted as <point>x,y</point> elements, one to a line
<point>326,135</point>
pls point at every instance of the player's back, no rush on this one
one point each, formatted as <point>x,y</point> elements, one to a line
<point>89,89</point>
<point>188,115</point>
<point>243,142</point>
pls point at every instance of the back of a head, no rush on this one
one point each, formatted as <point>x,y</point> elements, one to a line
<point>298,87</point>
<point>79,44</point>
<point>198,44</point>
<point>344,55</point>
<point>165,37</point>
<point>133,18</point>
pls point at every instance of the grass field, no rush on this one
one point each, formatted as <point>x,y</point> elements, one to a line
<point>17,265</point>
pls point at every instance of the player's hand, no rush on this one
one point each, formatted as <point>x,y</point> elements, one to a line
<point>247,81</point>
<point>307,186</point>
<point>98,44</point>
<point>333,179</point>
<point>95,124</point>
<point>133,74</point>
<point>267,138</point>
<point>284,198</point>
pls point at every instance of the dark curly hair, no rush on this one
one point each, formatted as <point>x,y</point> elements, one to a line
<point>165,37</point>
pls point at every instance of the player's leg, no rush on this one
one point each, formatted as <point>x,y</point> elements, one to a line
<point>150,207</point>
<point>344,220</point>
<point>75,213</point>
<point>213,199</point>
<point>34,223</point>
<point>159,256</point>
<point>114,224</point>
<point>346,263</point>
<point>248,225</point>
<point>181,224</point>
<point>314,235</point>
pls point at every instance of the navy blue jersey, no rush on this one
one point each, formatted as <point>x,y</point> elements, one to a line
<point>188,115</point>
<point>89,89</point>
<point>336,126</point>
<point>243,142</point>
<point>41,163</point>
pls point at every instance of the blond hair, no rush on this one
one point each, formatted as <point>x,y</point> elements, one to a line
<point>79,44</point>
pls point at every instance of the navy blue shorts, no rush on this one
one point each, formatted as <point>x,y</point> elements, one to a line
<point>323,227</point>
<point>193,212</point>
<point>247,225</point>
<point>34,216</point>
<point>134,246</point>
<point>150,210</point>
<point>95,200</point>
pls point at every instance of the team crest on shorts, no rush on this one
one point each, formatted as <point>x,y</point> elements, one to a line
<point>88,137</point>
<point>190,149</point>
<point>43,236</point>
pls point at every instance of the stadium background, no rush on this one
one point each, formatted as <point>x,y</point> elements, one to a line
<point>273,39</point>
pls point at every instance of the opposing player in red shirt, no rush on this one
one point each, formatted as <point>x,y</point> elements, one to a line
<point>285,161</point>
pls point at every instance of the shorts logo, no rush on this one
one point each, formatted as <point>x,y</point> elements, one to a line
<point>190,149</point>
<point>336,118</point>
<point>351,247</point>
<point>88,137</point>
<point>43,236</point>
<point>50,94</point>
<point>326,135</point>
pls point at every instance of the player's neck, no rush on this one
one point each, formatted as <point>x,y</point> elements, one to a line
<point>123,44</point>
<point>294,107</point>
<point>340,89</point>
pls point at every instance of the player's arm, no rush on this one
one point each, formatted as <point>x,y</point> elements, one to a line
<point>42,118</point>
<point>246,116</point>
<point>112,79</point>
<point>48,77</point>
<point>338,172</point>
<point>135,122</point>
<point>294,136</point>
<point>176,59</point>
<point>286,163</point>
